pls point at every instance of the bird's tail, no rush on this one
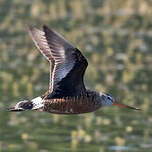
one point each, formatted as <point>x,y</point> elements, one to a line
<point>34,104</point>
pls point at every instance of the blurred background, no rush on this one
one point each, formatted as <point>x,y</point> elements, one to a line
<point>116,38</point>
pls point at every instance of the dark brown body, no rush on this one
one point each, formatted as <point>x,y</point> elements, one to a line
<point>73,105</point>
<point>67,93</point>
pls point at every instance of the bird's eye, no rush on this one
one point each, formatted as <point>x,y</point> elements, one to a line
<point>109,98</point>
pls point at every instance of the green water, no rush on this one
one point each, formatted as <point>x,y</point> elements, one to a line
<point>115,37</point>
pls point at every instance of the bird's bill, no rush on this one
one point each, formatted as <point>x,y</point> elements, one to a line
<point>124,106</point>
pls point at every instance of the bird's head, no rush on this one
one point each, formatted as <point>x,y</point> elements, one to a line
<point>107,100</point>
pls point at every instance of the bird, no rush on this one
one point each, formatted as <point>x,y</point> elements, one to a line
<point>67,93</point>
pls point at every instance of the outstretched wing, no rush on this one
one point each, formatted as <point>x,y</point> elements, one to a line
<point>69,64</point>
<point>40,41</point>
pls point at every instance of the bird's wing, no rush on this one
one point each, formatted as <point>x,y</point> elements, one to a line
<point>69,64</point>
<point>40,41</point>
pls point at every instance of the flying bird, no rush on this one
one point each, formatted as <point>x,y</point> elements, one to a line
<point>67,93</point>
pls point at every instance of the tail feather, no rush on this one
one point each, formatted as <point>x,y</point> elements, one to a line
<point>34,104</point>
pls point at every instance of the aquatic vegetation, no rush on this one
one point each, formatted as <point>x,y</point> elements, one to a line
<point>116,38</point>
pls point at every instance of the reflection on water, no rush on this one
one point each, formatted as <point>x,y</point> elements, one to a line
<point>119,148</point>
<point>116,39</point>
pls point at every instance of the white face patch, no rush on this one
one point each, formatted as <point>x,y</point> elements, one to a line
<point>37,103</point>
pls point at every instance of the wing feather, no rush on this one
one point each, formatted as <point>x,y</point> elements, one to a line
<point>40,41</point>
<point>61,51</point>
<point>68,64</point>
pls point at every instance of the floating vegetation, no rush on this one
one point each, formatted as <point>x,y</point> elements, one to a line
<point>116,38</point>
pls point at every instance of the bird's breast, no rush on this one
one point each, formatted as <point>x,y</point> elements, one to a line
<point>72,105</point>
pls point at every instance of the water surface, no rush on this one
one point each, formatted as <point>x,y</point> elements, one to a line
<point>116,39</point>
